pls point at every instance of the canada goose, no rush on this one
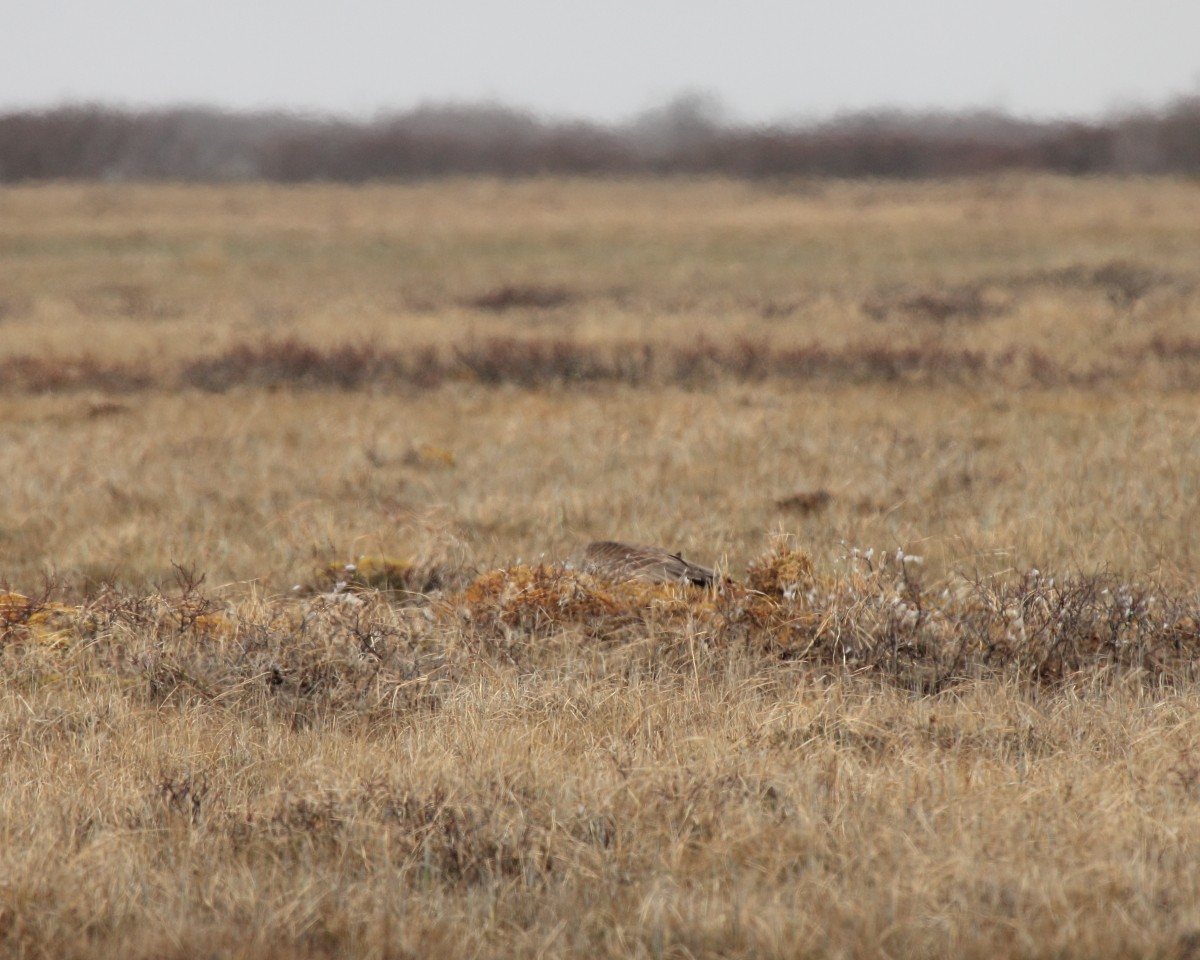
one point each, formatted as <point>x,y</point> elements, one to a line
<point>631,561</point>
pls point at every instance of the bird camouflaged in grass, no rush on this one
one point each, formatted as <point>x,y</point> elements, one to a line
<point>613,560</point>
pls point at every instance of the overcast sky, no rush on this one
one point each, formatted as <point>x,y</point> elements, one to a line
<point>763,59</point>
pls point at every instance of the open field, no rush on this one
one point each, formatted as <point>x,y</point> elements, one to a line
<point>214,398</point>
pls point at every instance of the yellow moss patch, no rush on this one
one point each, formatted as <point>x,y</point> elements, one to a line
<point>212,624</point>
<point>22,617</point>
<point>784,573</point>
<point>376,572</point>
<point>380,572</point>
<point>427,455</point>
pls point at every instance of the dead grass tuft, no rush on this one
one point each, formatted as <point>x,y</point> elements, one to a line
<point>1123,282</point>
<point>805,502</point>
<point>47,374</point>
<point>511,296</point>
<point>966,304</point>
<point>389,574</point>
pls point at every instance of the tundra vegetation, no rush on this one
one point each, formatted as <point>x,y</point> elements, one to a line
<point>289,666</point>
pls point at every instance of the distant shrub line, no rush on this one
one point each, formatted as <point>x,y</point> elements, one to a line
<point>291,363</point>
<point>685,137</point>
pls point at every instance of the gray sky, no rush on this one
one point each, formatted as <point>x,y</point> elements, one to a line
<point>763,59</point>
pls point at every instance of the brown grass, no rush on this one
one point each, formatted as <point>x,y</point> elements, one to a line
<point>344,777</point>
<point>288,666</point>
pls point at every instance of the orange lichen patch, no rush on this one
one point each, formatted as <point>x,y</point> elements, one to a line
<point>540,598</point>
<point>213,624</point>
<point>762,621</point>
<point>783,572</point>
<point>15,608</point>
<point>535,597</point>
<point>23,617</point>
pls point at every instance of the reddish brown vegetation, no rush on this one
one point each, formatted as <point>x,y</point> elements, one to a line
<point>537,362</point>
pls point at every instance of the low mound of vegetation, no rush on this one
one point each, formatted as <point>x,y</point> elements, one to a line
<point>875,616</point>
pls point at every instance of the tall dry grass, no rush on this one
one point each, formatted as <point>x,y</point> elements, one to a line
<point>364,783</point>
<point>267,486</point>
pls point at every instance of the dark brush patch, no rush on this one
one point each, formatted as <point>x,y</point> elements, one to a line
<point>529,296</point>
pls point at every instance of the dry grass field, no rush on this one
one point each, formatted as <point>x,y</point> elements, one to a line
<point>943,439</point>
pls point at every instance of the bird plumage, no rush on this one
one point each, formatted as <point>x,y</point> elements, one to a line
<point>630,561</point>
